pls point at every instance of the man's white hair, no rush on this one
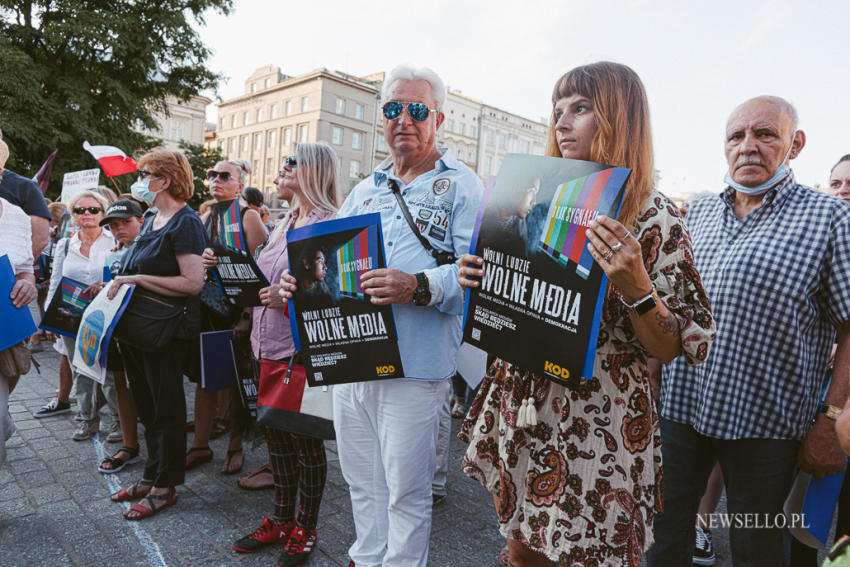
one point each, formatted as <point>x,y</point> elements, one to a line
<point>409,73</point>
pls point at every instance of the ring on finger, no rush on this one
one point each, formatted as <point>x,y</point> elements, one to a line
<point>617,246</point>
<point>607,255</point>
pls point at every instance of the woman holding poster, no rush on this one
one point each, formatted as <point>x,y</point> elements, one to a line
<point>575,473</point>
<point>309,181</point>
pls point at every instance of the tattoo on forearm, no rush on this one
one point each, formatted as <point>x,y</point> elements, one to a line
<point>668,323</point>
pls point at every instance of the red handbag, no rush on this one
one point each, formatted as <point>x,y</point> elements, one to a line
<point>287,402</point>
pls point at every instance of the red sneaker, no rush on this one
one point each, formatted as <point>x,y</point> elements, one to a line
<point>264,535</point>
<point>298,548</point>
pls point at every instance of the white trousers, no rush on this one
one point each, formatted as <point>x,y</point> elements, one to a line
<point>438,486</point>
<point>386,434</point>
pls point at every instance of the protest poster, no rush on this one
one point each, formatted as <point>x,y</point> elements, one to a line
<point>75,181</point>
<point>239,277</point>
<point>17,321</point>
<point>65,311</point>
<point>96,327</point>
<point>344,337</point>
<point>540,301</point>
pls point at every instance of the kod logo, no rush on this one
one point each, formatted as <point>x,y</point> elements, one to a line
<point>91,334</point>
<point>555,370</point>
<point>384,370</point>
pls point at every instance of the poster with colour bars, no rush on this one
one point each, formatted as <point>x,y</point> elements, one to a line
<point>355,257</point>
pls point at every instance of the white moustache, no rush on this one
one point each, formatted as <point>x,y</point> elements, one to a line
<point>748,160</point>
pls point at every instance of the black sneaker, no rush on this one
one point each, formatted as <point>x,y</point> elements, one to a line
<point>53,407</point>
<point>703,549</point>
<point>298,548</point>
<point>264,535</point>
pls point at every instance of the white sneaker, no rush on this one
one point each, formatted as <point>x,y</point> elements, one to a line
<point>115,435</point>
<point>703,548</point>
<point>87,430</point>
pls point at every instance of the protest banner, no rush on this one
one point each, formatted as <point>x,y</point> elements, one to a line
<point>344,337</point>
<point>75,181</point>
<point>65,311</point>
<point>17,321</point>
<point>96,327</point>
<point>239,277</point>
<point>540,301</point>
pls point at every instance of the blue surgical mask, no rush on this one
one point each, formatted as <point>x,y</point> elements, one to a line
<point>140,191</point>
<point>761,188</point>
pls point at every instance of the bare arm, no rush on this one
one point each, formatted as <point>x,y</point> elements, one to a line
<point>255,231</point>
<point>188,283</point>
<point>40,234</point>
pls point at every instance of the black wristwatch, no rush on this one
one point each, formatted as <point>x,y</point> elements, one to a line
<point>422,294</point>
<point>644,304</point>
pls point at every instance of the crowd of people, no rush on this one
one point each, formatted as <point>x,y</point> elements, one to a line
<point>723,358</point>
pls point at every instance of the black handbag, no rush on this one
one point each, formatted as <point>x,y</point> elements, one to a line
<point>151,321</point>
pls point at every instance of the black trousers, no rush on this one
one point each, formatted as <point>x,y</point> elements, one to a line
<point>156,382</point>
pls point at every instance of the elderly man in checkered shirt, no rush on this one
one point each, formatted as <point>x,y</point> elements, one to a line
<point>774,257</point>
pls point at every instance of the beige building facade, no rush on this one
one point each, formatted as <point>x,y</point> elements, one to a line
<point>184,122</point>
<point>278,111</point>
<point>503,133</point>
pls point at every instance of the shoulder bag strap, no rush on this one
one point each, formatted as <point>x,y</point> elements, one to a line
<point>406,212</point>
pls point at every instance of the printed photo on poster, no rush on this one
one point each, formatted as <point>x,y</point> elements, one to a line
<point>540,300</point>
<point>65,311</point>
<point>343,336</point>
<point>98,323</point>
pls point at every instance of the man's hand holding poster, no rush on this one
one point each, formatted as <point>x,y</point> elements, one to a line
<point>344,337</point>
<point>540,300</point>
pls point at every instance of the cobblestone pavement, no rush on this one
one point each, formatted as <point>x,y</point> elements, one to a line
<point>55,508</point>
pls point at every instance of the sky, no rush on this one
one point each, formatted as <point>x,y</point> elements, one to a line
<point>697,60</point>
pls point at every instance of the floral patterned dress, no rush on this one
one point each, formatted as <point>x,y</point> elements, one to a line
<point>583,485</point>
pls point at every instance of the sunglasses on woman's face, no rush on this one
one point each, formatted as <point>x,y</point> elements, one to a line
<point>223,175</point>
<point>418,111</point>
<point>290,162</point>
<point>90,210</point>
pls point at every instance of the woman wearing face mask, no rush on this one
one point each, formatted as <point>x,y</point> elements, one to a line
<point>81,257</point>
<point>165,259</point>
<point>590,466</point>
<point>226,224</point>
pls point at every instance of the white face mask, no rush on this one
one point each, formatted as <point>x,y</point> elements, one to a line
<point>777,176</point>
<point>140,191</point>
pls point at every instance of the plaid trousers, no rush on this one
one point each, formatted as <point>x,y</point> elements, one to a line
<point>299,466</point>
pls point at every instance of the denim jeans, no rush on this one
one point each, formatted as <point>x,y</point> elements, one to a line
<point>758,475</point>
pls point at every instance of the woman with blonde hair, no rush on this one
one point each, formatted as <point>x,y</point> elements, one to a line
<point>582,486</point>
<point>309,181</point>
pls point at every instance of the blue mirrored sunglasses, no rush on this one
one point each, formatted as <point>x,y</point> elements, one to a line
<point>418,111</point>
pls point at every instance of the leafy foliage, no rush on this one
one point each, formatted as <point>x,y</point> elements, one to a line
<point>72,71</point>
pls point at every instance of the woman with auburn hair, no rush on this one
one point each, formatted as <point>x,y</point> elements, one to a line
<point>164,262</point>
<point>582,486</point>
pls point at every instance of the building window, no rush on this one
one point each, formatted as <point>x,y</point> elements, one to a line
<point>303,104</point>
<point>258,141</point>
<point>302,133</point>
<point>267,83</point>
<point>354,168</point>
<point>502,141</point>
<point>491,138</point>
<point>268,166</point>
<point>274,112</point>
<point>271,138</point>
<point>244,118</point>
<point>460,155</point>
<point>340,106</point>
<point>336,135</point>
<point>233,121</point>
<point>233,145</point>
<point>259,115</point>
<point>472,132</point>
<point>245,144</point>
<point>287,137</point>
<point>253,87</point>
<point>178,129</point>
<point>462,129</point>
<point>288,108</point>
<point>450,125</point>
<point>221,124</point>
<point>489,169</point>
<point>524,146</point>
<point>256,167</point>
<point>359,112</point>
<point>382,145</point>
<point>356,141</point>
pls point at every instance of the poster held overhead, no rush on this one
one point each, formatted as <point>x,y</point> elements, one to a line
<point>343,336</point>
<point>540,301</point>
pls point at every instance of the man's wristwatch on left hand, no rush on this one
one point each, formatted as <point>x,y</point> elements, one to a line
<point>422,293</point>
<point>831,412</point>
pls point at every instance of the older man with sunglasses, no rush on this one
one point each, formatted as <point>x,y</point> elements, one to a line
<point>387,430</point>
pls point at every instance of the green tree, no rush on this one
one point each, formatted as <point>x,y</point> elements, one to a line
<point>72,71</point>
<point>202,160</point>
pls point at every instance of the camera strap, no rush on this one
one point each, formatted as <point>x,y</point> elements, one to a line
<point>436,254</point>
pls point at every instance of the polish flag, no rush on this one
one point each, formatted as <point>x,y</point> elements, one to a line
<point>112,160</point>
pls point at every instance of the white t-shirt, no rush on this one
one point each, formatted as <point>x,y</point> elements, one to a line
<point>16,237</point>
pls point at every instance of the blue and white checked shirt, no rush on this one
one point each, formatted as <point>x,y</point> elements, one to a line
<point>444,203</point>
<point>779,286</point>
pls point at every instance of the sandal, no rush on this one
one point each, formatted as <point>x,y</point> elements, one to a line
<point>116,463</point>
<point>255,476</point>
<point>142,512</point>
<point>133,491</point>
<point>227,467</point>
<point>194,462</point>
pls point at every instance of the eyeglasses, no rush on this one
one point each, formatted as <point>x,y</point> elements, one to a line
<point>223,175</point>
<point>418,111</point>
<point>143,174</point>
<point>90,210</point>
<point>290,162</point>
